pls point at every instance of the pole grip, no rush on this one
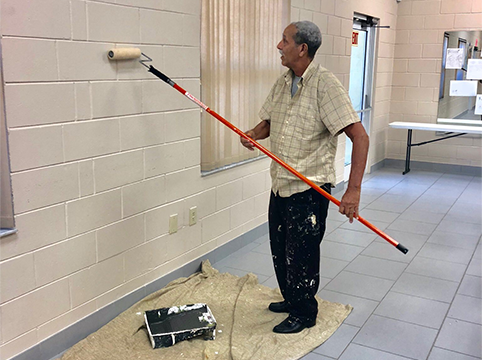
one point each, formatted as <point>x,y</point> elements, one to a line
<point>160,75</point>
<point>402,248</point>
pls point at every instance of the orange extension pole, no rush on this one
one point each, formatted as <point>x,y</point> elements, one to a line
<point>380,233</point>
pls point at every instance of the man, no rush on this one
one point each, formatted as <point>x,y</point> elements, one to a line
<point>304,113</point>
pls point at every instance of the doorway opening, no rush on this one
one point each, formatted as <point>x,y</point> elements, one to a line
<point>361,75</point>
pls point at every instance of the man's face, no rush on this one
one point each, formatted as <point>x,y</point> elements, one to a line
<point>288,48</point>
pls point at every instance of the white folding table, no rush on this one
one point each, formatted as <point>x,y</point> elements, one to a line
<point>451,130</point>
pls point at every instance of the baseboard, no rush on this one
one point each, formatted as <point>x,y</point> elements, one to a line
<point>436,167</point>
<point>377,166</point>
<point>56,345</point>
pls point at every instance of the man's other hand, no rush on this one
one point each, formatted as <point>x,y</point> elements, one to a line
<point>349,203</point>
<point>246,143</point>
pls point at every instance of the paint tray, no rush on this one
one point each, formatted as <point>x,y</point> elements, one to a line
<point>167,326</point>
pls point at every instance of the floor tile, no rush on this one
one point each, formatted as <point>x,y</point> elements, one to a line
<point>471,286</point>
<point>475,267</point>
<point>315,356</point>
<point>404,188</point>
<point>446,253</point>
<point>253,262</point>
<point>339,251</point>
<point>478,251</point>
<point>381,268</point>
<point>351,237</point>
<point>271,282</point>
<point>426,205</point>
<point>405,199</point>
<point>413,310</point>
<point>359,227</point>
<point>362,308</point>
<point>240,273</point>
<point>413,242</point>
<point>458,227</point>
<point>367,287</point>
<point>468,242</point>
<point>444,191</point>
<point>466,308</point>
<point>396,337</point>
<point>466,212</point>
<point>334,215</point>
<point>461,337</point>
<point>332,225</point>
<point>422,177</point>
<point>464,218</point>
<point>377,215</point>
<point>358,352</point>
<point>264,248</point>
<point>323,282</point>
<point>335,345</point>
<point>436,268</point>
<point>389,252</point>
<point>415,227</point>
<point>329,268</point>
<point>426,217</point>
<point>470,196</point>
<point>368,198</point>
<point>380,184</point>
<point>438,198</point>
<point>388,206</point>
<point>455,179</point>
<point>442,354</point>
<point>425,287</point>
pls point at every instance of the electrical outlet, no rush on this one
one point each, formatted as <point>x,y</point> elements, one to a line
<point>192,215</point>
<point>173,224</point>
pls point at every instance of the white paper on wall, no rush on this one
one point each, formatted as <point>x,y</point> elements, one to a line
<point>478,105</point>
<point>474,69</point>
<point>455,58</point>
<point>463,88</point>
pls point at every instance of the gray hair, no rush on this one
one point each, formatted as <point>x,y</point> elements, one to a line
<point>307,33</point>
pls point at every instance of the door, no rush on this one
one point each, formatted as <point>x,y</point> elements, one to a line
<point>361,75</point>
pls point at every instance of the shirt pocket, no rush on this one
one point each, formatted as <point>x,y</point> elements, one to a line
<point>307,124</point>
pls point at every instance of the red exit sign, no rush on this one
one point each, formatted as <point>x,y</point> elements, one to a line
<point>354,38</point>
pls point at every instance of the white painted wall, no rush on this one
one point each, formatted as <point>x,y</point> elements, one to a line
<point>102,153</point>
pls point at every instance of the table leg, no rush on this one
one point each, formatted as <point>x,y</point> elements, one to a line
<point>409,149</point>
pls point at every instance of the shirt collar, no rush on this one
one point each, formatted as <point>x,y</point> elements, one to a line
<point>306,75</point>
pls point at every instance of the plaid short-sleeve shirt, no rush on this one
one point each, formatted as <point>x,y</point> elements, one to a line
<point>304,128</point>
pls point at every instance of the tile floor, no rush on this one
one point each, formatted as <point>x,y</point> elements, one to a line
<point>423,305</point>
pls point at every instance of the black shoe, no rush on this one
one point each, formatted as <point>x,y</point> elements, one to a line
<point>279,307</point>
<point>292,325</point>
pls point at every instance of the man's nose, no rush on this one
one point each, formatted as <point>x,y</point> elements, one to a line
<point>279,46</point>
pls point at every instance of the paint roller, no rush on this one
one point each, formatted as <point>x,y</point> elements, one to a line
<point>135,53</point>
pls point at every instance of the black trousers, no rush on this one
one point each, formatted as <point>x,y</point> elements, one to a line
<point>296,228</point>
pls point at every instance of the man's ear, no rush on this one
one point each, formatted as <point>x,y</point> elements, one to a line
<point>304,49</point>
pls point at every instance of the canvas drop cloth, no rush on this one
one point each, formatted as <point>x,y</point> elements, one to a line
<point>244,324</point>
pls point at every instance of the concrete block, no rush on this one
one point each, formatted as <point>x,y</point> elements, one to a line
<point>64,258</point>
<point>118,170</point>
<point>93,212</point>
<point>18,55</point>
<point>47,18</point>
<point>39,104</point>
<point>43,187</point>
<point>35,147</point>
<point>91,138</point>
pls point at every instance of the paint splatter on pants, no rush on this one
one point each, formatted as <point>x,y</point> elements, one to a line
<point>296,228</point>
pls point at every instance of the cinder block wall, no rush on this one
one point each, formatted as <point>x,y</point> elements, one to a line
<point>102,153</point>
<point>416,80</point>
<point>335,19</point>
